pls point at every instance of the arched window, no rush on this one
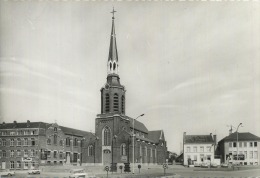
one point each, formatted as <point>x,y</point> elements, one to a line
<point>12,142</point>
<point>4,142</point>
<point>55,141</point>
<point>90,150</point>
<point>67,141</point>
<point>123,149</point>
<point>115,102</point>
<point>114,66</point>
<point>106,136</point>
<point>107,103</point>
<point>19,142</point>
<point>123,104</point>
<point>55,129</point>
<point>145,151</point>
<point>110,64</point>
<point>151,153</point>
<point>140,151</point>
<point>48,141</point>
<point>61,142</point>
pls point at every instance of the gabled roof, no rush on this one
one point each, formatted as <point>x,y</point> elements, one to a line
<point>70,131</point>
<point>198,139</point>
<point>21,125</point>
<point>156,135</point>
<point>138,125</point>
<point>244,136</point>
<point>145,139</point>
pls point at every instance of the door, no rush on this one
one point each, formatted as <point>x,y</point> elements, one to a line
<point>3,165</point>
<point>107,157</point>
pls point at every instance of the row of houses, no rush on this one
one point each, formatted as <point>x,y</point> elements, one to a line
<point>236,148</point>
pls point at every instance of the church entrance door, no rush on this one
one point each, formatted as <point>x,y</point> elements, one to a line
<point>107,157</point>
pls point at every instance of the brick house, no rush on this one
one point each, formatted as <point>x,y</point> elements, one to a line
<point>30,144</point>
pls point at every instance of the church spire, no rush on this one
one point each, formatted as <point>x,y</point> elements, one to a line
<point>112,64</point>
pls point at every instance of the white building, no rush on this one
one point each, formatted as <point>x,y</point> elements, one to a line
<point>198,149</point>
<point>247,147</point>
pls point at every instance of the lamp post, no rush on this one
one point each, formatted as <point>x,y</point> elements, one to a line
<point>237,137</point>
<point>134,141</point>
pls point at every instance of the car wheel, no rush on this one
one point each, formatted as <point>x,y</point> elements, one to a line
<point>9,175</point>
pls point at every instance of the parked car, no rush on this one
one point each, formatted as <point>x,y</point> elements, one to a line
<point>34,171</point>
<point>196,164</point>
<point>205,165</point>
<point>224,165</point>
<point>6,172</point>
<point>213,165</point>
<point>78,173</point>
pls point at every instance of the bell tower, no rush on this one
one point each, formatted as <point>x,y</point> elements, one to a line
<point>113,93</point>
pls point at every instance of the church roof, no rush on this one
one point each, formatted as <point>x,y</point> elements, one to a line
<point>156,135</point>
<point>198,139</point>
<point>70,131</point>
<point>138,125</point>
<point>244,136</point>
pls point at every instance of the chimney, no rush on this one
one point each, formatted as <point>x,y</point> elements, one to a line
<point>15,122</point>
<point>184,135</point>
<point>230,131</point>
<point>215,139</point>
<point>28,123</point>
<point>3,123</point>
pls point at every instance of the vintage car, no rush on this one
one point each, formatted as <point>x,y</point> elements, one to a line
<point>213,165</point>
<point>34,171</point>
<point>204,165</point>
<point>224,165</point>
<point>6,172</point>
<point>78,173</point>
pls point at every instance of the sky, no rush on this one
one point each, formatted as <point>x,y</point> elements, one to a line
<point>188,66</point>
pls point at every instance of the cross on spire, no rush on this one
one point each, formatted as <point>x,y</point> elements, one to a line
<point>113,12</point>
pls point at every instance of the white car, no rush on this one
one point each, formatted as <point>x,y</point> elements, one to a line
<point>34,171</point>
<point>7,172</point>
<point>78,173</point>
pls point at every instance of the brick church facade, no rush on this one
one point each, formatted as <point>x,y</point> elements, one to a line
<point>114,130</point>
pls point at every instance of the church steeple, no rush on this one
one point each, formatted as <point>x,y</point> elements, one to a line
<point>113,93</point>
<point>112,64</point>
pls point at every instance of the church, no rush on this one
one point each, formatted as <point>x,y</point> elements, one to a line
<point>118,138</point>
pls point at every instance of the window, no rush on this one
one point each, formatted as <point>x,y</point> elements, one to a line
<point>195,157</point>
<point>240,144</point>
<point>188,149</point>
<point>67,141</point>
<point>48,141</point>
<point>123,104</point>
<point>61,142</point>
<point>55,129</point>
<point>20,132</point>
<point>4,133</point>
<point>25,142</point>
<point>140,151</point>
<point>201,157</point>
<point>107,103</point>
<point>230,144</point>
<point>75,142</point>
<point>90,150</point>
<point>208,149</point>
<point>4,142</point>
<point>18,165</point>
<point>107,136</point>
<point>155,153</point>
<point>26,132</point>
<point>208,157</point>
<point>251,154</point>
<point>55,154</point>
<point>11,164</point>
<point>48,154</point>
<point>115,102</point>
<point>123,149</point>
<point>201,149</point>
<point>12,153</point>
<point>4,153</point>
<point>19,142</point>
<point>234,144</point>
<point>245,144</point>
<point>34,132</point>
<point>194,149</point>
<point>145,151</point>
<point>12,133</point>
<point>18,153</point>
<point>251,144</point>
<point>33,141</point>
<point>26,153</point>
<point>55,141</point>
<point>32,153</point>
<point>151,152</point>
<point>12,142</point>
<point>255,155</point>
<point>61,155</point>
<point>255,144</point>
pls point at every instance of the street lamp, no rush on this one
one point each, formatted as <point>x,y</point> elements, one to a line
<point>237,137</point>
<point>134,141</point>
